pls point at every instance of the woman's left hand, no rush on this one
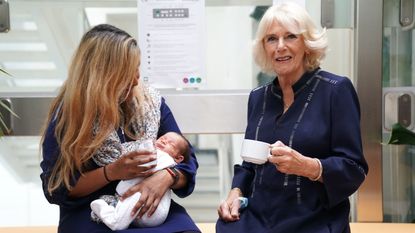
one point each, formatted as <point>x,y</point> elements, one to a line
<point>152,190</point>
<point>290,161</point>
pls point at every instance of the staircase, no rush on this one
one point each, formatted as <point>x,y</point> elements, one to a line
<point>203,202</point>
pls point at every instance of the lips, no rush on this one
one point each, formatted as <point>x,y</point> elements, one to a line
<point>285,58</point>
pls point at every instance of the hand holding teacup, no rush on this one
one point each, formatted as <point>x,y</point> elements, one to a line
<point>290,161</point>
<point>285,159</point>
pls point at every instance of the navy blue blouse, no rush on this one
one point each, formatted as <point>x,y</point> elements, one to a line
<point>75,212</point>
<point>323,122</point>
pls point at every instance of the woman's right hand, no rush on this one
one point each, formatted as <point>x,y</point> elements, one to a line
<point>127,166</point>
<point>131,165</point>
<point>228,210</point>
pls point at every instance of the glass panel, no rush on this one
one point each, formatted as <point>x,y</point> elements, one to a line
<point>336,13</point>
<point>38,48</point>
<point>398,100</point>
<point>44,35</point>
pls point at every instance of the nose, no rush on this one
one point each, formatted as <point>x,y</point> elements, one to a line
<point>281,43</point>
<point>135,82</point>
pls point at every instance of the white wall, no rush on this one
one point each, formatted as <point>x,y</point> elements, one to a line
<point>229,53</point>
<point>23,203</point>
<point>339,57</point>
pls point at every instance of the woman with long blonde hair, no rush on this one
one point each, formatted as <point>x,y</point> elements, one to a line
<point>101,105</point>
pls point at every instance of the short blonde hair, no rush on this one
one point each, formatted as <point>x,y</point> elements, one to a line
<point>296,20</point>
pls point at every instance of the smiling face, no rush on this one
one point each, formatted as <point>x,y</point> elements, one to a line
<point>286,52</point>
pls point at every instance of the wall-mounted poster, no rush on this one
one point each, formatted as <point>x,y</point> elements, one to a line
<point>171,36</point>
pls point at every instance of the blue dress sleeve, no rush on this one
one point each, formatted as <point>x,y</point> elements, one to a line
<point>242,178</point>
<point>346,168</point>
<point>244,173</point>
<point>168,124</point>
<point>50,153</point>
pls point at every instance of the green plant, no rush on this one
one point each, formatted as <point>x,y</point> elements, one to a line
<point>5,72</point>
<point>3,127</point>
<point>401,135</point>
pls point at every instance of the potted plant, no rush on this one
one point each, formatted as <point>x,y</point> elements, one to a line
<point>3,127</point>
<point>401,135</point>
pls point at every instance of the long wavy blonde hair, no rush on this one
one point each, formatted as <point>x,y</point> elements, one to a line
<point>101,75</point>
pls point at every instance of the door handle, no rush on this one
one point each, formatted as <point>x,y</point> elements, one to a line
<point>398,106</point>
<point>406,14</point>
<point>404,110</point>
<point>327,13</point>
<point>4,16</point>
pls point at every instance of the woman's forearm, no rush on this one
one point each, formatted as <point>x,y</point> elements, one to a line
<point>89,182</point>
<point>181,180</point>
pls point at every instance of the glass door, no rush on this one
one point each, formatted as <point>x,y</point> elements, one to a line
<point>398,94</point>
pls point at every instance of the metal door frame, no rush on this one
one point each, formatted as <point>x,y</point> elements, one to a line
<point>368,73</point>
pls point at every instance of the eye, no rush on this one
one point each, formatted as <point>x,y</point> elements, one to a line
<point>271,39</point>
<point>291,37</point>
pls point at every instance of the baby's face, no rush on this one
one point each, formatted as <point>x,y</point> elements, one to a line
<point>172,144</point>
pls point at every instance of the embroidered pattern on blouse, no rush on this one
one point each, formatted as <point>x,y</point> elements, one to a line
<point>260,87</point>
<point>259,169</point>
<point>316,74</point>
<point>112,148</point>
<point>332,81</point>
<point>290,144</point>
<point>256,138</point>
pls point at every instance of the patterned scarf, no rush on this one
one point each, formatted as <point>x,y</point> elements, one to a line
<point>147,127</point>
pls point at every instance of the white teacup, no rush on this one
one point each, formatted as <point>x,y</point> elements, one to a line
<point>255,151</point>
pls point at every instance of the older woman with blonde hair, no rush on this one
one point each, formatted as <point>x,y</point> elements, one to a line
<point>311,119</point>
<point>102,105</point>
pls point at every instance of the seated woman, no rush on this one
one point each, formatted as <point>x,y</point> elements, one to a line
<point>103,101</point>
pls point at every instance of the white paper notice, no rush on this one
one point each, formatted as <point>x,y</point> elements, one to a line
<point>171,38</point>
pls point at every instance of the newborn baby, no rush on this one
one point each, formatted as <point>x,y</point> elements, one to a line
<point>171,148</point>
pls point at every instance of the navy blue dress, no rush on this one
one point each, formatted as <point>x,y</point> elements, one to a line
<point>75,213</point>
<point>322,122</point>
